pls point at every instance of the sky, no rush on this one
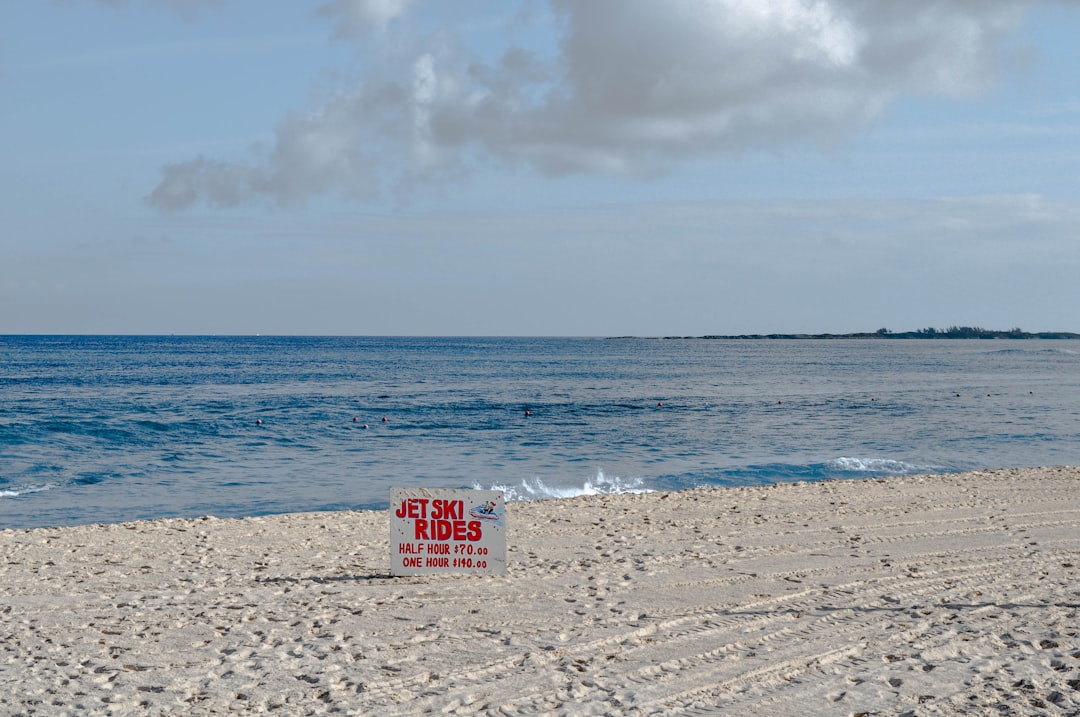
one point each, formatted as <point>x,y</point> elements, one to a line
<point>543,168</point>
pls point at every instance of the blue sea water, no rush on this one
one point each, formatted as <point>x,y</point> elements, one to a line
<point>110,429</point>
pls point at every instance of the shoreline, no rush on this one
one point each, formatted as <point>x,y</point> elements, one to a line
<point>932,594</point>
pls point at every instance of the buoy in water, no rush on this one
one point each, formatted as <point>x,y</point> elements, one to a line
<point>527,413</point>
<point>258,421</point>
<point>385,419</point>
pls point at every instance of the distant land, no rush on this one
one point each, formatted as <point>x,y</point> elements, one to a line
<point>953,332</point>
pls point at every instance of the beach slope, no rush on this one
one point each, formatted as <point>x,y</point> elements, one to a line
<point>919,595</point>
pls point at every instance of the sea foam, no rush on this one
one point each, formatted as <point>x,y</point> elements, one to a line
<point>21,490</point>
<point>881,465</point>
<point>535,489</point>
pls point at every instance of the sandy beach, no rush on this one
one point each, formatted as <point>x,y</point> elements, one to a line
<point>924,595</point>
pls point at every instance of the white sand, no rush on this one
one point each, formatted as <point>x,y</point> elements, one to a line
<point>929,595</point>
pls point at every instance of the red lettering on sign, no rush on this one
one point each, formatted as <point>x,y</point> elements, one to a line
<point>412,508</point>
<point>447,509</point>
<point>471,530</point>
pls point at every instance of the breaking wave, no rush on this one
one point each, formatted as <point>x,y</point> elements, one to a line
<point>535,489</point>
<point>20,490</point>
<point>883,466</point>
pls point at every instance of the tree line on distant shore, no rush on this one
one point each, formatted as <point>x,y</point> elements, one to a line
<point>953,332</point>
<point>974,332</point>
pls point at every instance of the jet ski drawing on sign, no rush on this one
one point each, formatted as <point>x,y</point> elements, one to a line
<point>485,511</point>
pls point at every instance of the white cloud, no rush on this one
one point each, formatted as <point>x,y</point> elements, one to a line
<point>636,87</point>
<point>358,17</point>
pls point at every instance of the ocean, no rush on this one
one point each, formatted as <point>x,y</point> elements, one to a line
<point>99,429</point>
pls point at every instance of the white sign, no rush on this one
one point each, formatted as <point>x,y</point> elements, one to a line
<point>447,531</point>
